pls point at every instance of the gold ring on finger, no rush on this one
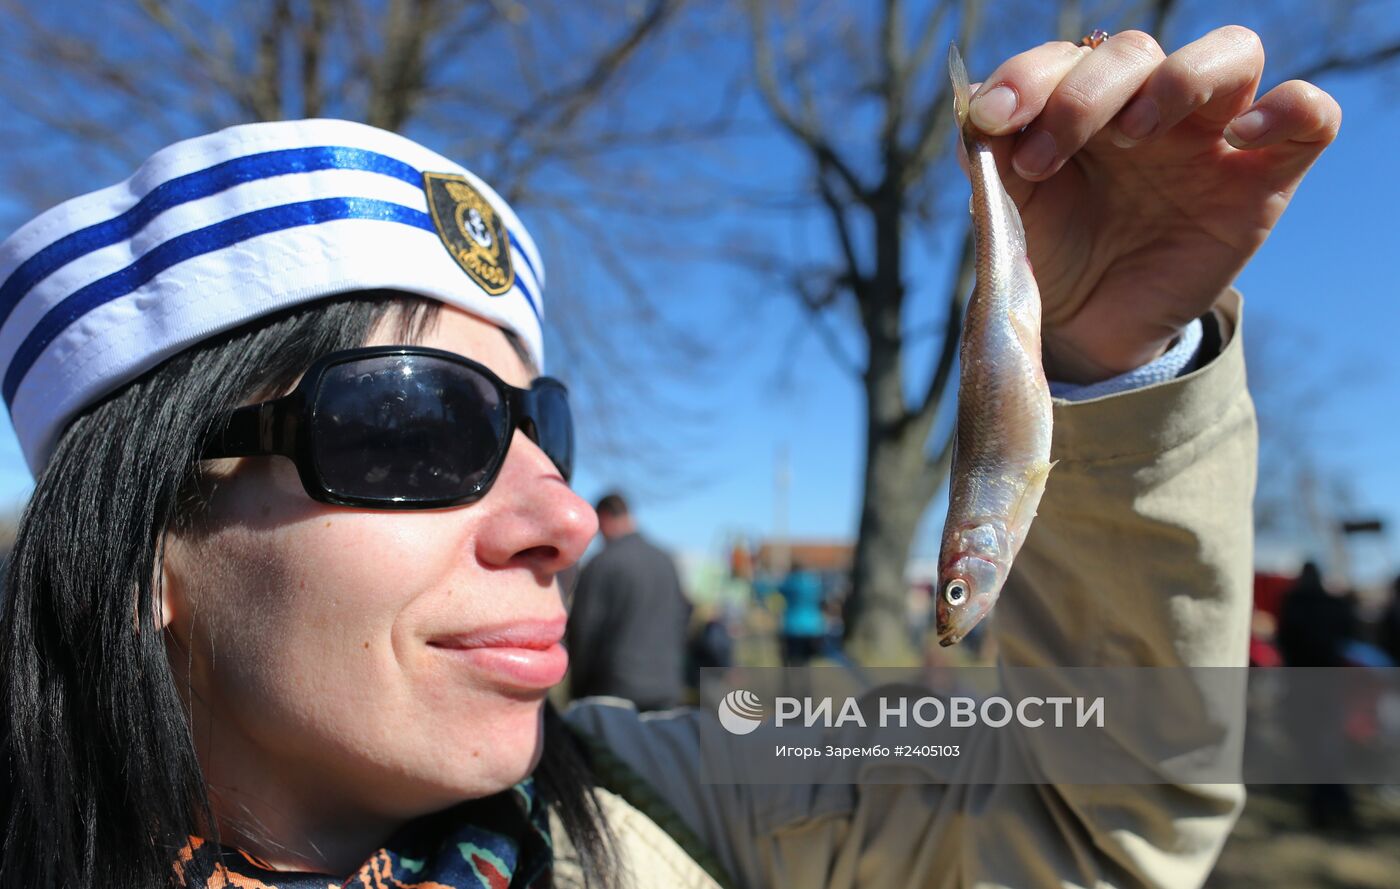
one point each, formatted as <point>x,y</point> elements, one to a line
<point>1094,38</point>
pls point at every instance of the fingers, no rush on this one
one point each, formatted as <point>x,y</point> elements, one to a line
<point>1286,131</point>
<point>1016,91</point>
<point>1059,96</point>
<point>1215,76</point>
<point>1292,112</point>
<point>1090,94</point>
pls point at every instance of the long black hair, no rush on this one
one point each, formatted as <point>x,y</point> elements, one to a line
<point>99,781</point>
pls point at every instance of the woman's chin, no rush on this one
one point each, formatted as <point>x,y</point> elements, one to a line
<point>503,749</point>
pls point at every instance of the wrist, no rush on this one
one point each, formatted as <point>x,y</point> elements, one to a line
<point>1183,356</point>
<point>1157,418</point>
<point>1068,362</point>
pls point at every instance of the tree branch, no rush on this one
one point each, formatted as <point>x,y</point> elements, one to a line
<point>220,70</point>
<point>817,291</point>
<point>359,68</point>
<point>312,37</point>
<point>682,343</point>
<point>933,25</point>
<point>837,211</point>
<point>567,102</point>
<point>399,80</point>
<point>1161,11</point>
<point>1069,20</point>
<point>952,326</point>
<point>1332,64</point>
<point>88,132</point>
<point>937,119</point>
<point>818,303</point>
<point>893,73</point>
<point>266,94</point>
<point>556,111</point>
<point>937,466</point>
<point>469,28</point>
<point>805,131</point>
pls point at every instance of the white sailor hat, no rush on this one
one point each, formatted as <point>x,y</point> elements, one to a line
<point>218,230</point>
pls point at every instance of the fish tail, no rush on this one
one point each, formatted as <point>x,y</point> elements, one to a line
<point>962,90</point>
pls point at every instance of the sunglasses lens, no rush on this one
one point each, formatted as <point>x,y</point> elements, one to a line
<point>555,426</point>
<point>406,428</point>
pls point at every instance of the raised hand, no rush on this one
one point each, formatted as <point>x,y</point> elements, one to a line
<point>1145,181</point>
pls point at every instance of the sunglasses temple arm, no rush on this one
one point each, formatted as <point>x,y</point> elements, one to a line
<point>523,409</point>
<point>248,433</point>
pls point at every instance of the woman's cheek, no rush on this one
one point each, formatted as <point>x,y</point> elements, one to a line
<point>381,556</point>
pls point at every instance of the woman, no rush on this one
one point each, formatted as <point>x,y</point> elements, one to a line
<point>334,661</point>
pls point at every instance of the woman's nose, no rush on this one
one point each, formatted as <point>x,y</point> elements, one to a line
<point>534,519</point>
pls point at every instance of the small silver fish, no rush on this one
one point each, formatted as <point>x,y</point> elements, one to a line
<point>1001,450</point>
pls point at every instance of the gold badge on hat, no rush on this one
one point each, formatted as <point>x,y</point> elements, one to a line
<point>471,229</point>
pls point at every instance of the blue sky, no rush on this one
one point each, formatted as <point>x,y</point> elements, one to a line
<point>1323,288</point>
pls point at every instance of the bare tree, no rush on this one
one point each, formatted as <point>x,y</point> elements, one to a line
<point>533,97</point>
<point>862,95</point>
<point>514,84</point>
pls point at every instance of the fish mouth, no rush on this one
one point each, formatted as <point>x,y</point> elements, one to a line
<point>953,626</point>
<point>953,638</point>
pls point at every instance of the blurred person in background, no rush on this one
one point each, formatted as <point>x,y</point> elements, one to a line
<point>834,612</point>
<point>804,621</point>
<point>629,619</point>
<point>1388,629</point>
<point>711,645</point>
<point>1313,630</point>
<point>1314,625</point>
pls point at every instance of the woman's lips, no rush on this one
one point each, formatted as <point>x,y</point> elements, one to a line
<point>524,654</point>
<point>518,667</point>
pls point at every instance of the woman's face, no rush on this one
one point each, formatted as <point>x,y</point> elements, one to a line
<point>324,643</point>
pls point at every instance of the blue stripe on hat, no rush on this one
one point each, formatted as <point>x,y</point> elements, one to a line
<point>198,243</point>
<point>523,255</point>
<point>191,187</point>
<point>529,298</point>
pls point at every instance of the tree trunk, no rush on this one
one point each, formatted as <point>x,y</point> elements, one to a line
<point>897,474</point>
<point>893,503</point>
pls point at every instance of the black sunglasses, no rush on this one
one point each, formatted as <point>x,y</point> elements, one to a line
<point>399,427</point>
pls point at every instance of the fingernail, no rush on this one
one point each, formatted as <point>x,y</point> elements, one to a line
<point>1035,155</point>
<point>992,111</point>
<point>1248,127</point>
<point>1137,123</point>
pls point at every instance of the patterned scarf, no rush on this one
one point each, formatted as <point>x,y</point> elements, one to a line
<point>499,842</point>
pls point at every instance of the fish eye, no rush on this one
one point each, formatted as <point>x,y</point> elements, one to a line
<point>955,592</point>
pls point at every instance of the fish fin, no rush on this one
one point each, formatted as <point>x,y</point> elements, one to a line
<point>962,90</point>
<point>1024,320</point>
<point>1013,217</point>
<point>1036,476</point>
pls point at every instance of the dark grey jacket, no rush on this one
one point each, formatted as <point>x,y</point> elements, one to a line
<point>627,626</point>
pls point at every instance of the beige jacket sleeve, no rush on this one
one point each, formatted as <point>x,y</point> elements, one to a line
<point>1141,556</point>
